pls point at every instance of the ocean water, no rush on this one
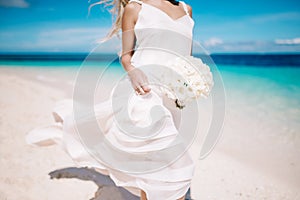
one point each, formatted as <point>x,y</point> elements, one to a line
<point>262,122</point>
<point>267,86</point>
<point>268,93</point>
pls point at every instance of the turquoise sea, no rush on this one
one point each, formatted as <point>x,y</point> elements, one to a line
<point>262,102</point>
<point>267,86</point>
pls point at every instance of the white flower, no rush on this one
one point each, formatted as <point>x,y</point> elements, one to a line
<point>185,79</point>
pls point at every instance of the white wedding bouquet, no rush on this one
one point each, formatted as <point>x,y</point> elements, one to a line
<point>185,79</point>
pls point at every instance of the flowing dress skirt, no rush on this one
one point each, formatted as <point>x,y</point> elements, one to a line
<point>168,183</point>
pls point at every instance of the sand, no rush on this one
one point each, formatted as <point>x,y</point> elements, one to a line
<point>254,159</point>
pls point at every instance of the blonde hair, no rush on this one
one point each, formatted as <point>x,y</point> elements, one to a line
<point>116,12</point>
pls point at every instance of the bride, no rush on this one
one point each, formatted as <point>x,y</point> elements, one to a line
<point>153,31</point>
<point>173,10</point>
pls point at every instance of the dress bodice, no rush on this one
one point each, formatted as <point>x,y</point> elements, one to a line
<point>159,37</point>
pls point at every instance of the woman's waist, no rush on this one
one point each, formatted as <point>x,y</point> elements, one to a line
<point>143,57</point>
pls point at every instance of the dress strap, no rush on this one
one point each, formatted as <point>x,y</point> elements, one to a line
<point>137,1</point>
<point>184,7</point>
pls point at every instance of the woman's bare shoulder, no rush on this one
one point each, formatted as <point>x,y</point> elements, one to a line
<point>131,9</point>
<point>189,7</point>
<point>132,6</point>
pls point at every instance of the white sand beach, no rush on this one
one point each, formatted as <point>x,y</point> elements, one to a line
<point>256,158</point>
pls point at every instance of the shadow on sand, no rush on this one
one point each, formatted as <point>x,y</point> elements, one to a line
<point>107,190</point>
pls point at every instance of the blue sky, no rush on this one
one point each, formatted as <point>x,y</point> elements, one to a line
<point>220,26</point>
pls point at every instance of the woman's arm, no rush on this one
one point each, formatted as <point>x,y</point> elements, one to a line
<point>139,80</point>
<point>128,37</point>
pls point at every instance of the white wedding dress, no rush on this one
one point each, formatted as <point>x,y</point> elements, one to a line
<point>159,39</point>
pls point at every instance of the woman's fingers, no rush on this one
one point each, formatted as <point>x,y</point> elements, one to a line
<point>140,90</point>
<point>143,89</point>
<point>139,81</point>
<point>146,89</point>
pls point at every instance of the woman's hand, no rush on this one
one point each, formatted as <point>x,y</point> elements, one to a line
<point>139,81</point>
